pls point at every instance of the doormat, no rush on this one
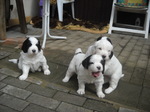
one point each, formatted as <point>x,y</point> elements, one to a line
<point>72,24</point>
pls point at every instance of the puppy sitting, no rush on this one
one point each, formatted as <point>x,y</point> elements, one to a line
<point>113,68</point>
<point>89,70</point>
<point>31,58</point>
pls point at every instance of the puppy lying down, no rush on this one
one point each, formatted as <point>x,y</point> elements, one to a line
<point>31,58</point>
<point>89,70</point>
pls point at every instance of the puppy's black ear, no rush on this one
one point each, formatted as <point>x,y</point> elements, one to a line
<point>109,40</point>
<point>25,46</point>
<point>103,63</point>
<point>38,45</point>
<point>111,55</point>
<point>86,62</point>
<point>99,38</point>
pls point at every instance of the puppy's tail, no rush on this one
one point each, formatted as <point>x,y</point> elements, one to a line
<point>78,50</point>
<point>15,61</point>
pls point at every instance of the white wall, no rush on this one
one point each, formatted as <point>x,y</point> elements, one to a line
<point>31,8</point>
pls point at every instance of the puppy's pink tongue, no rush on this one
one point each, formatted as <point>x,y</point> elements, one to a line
<point>96,74</point>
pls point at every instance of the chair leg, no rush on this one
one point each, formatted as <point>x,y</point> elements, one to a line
<point>60,10</point>
<point>146,25</point>
<point>72,6</point>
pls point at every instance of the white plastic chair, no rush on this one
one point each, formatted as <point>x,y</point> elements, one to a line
<point>127,28</point>
<point>60,4</point>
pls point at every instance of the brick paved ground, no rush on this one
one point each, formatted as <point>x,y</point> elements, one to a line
<point>41,93</point>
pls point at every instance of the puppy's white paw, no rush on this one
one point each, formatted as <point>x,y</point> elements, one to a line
<point>23,77</point>
<point>100,94</point>
<point>80,91</point>
<point>108,90</point>
<point>66,79</point>
<point>47,72</point>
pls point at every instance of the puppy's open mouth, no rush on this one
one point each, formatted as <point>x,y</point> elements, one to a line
<point>96,74</point>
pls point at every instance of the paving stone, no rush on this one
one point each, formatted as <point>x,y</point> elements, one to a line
<point>36,108</point>
<point>133,58</point>
<point>17,92</point>
<point>13,102</point>
<point>43,101</point>
<point>34,80</point>
<point>58,87</point>
<point>65,107</point>
<point>2,76</point>
<point>135,52</point>
<point>4,54</point>
<point>138,76</point>
<point>126,110</point>
<point>126,94</point>
<point>41,90</point>
<point>6,109</point>
<point>125,53</point>
<point>9,72</point>
<point>144,102</point>
<point>65,97</point>
<point>15,82</point>
<point>100,106</point>
<point>141,64</point>
<point>2,85</point>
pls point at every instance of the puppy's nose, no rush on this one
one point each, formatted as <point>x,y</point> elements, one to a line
<point>33,51</point>
<point>103,56</point>
<point>98,67</point>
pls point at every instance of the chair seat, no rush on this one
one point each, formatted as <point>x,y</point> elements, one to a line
<point>132,9</point>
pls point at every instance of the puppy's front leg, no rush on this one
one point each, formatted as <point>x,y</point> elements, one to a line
<point>25,70</point>
<point>46,69</point>
<point>81,89</point>
<point>100,93</point>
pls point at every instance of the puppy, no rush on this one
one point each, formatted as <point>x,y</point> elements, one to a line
<point>89,70</point>
<point>31,58</point>
<point>113,68</point>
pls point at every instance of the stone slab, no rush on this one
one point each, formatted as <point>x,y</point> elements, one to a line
<point>65,107</point>
<point>43,101</point>
<point>17,92</point>
<point>73,99</point>
<point>13,102</point>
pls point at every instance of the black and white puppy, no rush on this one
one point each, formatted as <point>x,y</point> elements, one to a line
<point>113,68</point>
<point>89,70</point>
<point>31,58</point>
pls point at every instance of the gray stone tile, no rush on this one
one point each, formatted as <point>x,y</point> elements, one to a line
<point>36,108</point>
<point>100,106</point>
<point>6,109</point>
<point>2,76</point>
<point>17,92</point>
<point>126,110</point>
<point>2,85</point>
<point>13,102</point>
<point>126,94</point>
<point>144,102</point>
<point>65,97</point>
<point>9,72</point>
<point>43,101</point>
<point>65,107</point>
<point>15,82</point>
<point>138,76</point>
<point>141,64</point>
<point>41,90</point>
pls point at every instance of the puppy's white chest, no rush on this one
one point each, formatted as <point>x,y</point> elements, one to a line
<point>34,66</point>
